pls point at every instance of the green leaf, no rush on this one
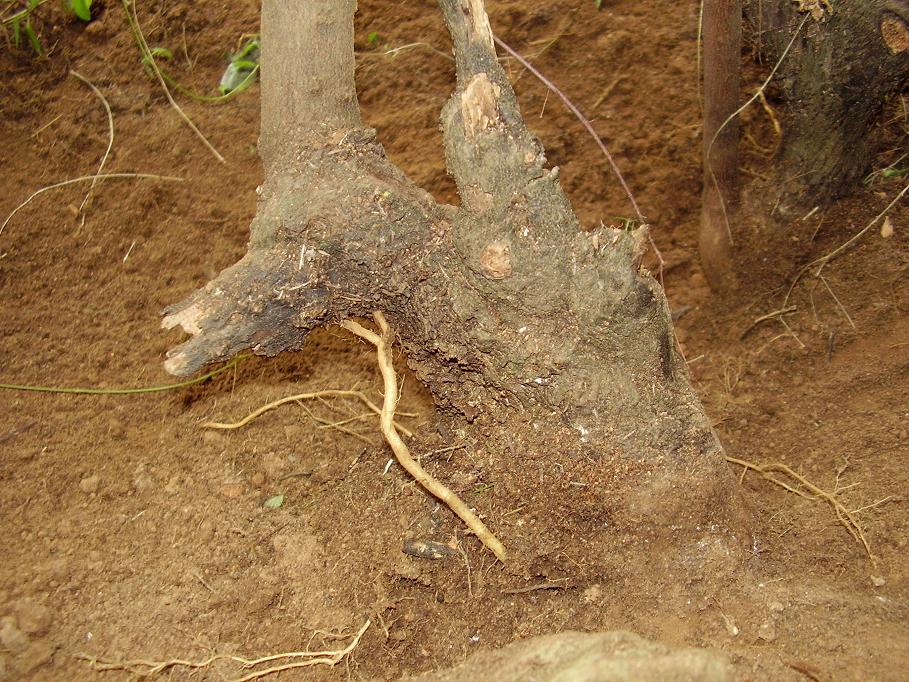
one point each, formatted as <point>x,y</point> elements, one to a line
<point>82,9</point>
<point>373,37</point>
<point>32,38</point>
<point>17,34</point>
<point>273,502</point>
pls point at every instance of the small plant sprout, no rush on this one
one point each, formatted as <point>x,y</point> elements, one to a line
<point>241,71</point>
<point>19,23</point>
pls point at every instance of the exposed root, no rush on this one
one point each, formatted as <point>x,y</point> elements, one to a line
<point>769,316</point>
<point>402,453</point>
<point>85,178</point>
<point>845,517</point>
<point>298,659</point>
<point>110,142</point>
<point>731,117</point>
<point>330,393</point>
<point>821,263</point>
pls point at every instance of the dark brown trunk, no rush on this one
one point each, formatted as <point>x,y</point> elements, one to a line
<point>846,60</point>
<point>722,32</point>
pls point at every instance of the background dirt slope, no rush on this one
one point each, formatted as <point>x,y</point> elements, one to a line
<point>130,532</point>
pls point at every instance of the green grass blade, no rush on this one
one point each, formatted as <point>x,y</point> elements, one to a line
<point>125,391</point>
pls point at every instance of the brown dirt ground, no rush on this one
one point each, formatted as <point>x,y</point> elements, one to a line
<point>130,532</point>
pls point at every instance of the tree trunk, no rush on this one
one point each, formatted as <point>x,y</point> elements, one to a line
<point>542,344</point>
<point>722,30</point>
<point>847,59</point>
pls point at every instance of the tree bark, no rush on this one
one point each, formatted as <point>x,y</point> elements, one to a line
<point>314,92</point>
<point>536,339</point>
<point>722,30</point>
<point>847,60</point>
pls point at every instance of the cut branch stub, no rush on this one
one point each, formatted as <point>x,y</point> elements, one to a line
<point>333,238</point>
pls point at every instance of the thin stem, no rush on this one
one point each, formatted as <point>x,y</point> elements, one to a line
<point>583,119</point>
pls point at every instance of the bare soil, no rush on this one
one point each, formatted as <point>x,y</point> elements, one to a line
<point>131,532</point>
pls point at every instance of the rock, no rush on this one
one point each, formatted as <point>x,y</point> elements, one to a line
<point>588,657</point>
<point>90,484</point>
<point>767,631</point>
<point>11,637</point>
<point>231,490</point>
<point>34,618</point>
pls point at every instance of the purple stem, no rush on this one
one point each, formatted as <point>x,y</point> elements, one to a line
<point>549,84</point>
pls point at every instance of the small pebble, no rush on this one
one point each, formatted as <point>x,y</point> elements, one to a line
<point>90,484</point>
<point>206,531</point>
<point>213,437</point>
<point>767,631</point>
<point>878,581</point>
<point>231,490</point>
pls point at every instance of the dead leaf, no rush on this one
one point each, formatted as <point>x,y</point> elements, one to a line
<point>818,8</point>
<point>887,228</point>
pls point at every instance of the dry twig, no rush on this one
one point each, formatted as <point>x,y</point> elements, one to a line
<point>334,393</point>
<point>110,141</point>
<point>86,178</point>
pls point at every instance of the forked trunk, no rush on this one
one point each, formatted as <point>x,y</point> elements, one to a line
<point>550,350</point>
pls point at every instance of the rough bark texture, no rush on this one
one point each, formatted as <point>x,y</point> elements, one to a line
<point>847,60</point>
<point>533,336</point>
<point>722,75</point>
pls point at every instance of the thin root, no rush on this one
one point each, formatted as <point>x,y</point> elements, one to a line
<point>843,515</point>
<point>402,453</point>
<point>146,668</point>
<point>334,393</point>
